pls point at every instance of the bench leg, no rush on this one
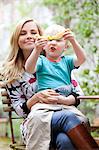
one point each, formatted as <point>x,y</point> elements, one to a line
<point>7,129</point>
<point>11,126</point>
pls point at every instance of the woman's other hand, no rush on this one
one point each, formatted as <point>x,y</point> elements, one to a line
<point>48,96</point>
<point>69,100</point>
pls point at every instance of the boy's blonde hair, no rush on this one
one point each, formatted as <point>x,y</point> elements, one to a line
<point>53,30</point>
<point>56,32</point>
<point>12,69</point>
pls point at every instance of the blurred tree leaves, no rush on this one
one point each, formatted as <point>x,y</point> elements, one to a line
<point>22,8</point>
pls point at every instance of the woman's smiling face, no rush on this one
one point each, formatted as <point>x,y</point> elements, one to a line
<point>26,39</point>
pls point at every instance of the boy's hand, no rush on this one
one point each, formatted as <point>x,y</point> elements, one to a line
<point>40,43</point>
<point>68,35</point>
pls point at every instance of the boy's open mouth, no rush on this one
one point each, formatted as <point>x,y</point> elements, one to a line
<point>52,49</point>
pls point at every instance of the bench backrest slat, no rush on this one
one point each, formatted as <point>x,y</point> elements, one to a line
<point>7,109</point>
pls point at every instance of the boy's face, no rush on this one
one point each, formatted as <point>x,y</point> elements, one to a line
<point>55,48</point>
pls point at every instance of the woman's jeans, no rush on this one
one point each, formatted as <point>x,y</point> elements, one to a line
<point>62,122</point>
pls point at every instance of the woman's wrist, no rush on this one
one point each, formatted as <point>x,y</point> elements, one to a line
<point>62,100</point>
<point>69,100</point>
<point>77,101</point>
<point>32,101</point>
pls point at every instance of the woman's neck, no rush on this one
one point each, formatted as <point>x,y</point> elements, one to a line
<point>26,54</point>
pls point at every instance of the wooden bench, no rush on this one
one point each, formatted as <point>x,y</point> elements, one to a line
<point>8,108</point>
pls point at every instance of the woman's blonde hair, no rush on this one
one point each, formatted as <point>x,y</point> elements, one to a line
<point>12,69</point>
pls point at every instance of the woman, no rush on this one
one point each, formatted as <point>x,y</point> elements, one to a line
<point>42,115</point>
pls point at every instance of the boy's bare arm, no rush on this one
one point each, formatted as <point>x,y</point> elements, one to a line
<point>68,35</point>
<point>30,65</point>
<point>79,53</point>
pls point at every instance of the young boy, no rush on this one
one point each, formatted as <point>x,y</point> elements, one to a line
<point>54,70</point>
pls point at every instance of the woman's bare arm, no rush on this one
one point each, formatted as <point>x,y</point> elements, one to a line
<point>69,100</point>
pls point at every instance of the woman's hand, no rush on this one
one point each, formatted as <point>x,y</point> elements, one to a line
<point>46,96</point>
